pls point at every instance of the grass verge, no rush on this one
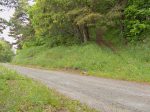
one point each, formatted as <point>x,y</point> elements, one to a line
<point>130,63</point>
<point>20,94</point>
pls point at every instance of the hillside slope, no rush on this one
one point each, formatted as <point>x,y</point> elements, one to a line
<point>128,64</point>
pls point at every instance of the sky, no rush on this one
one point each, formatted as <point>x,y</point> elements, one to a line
<point>6,14</point>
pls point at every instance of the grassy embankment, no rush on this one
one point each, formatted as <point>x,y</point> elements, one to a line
<point>20,94</point>
<point>132,63</point>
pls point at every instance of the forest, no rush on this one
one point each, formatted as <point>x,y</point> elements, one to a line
<point>68,22</point>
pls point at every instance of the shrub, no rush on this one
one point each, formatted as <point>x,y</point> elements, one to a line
<point>5,52</point>
<point>137,22</point>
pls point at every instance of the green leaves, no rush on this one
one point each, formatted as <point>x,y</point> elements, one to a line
<point>5,52</point>
<point>81,16</point>
<point>137,16</point>
<point>67,18</point>
<point>59,22</point>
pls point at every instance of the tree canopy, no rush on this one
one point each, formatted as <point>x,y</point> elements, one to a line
<point>67,22</point>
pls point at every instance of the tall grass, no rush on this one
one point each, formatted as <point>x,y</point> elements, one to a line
<point>130,63</point>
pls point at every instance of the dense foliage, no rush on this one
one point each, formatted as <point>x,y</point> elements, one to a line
<point>5,52</point>
<point>137,20</point>
<point>67,22</point>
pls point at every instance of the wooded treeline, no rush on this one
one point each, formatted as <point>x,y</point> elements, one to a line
<point>68,22</point>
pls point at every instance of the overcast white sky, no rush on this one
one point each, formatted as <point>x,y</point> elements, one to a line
<point>6,14</point>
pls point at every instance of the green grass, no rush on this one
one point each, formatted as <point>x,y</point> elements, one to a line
<point>20,94</point>
<point>132,63</point>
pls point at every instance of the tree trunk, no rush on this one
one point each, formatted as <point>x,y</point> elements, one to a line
<point>79,33</point>
<point>85,31</point>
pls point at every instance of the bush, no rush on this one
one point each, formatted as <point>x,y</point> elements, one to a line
<point>5,52</point>
<point>137,22</point>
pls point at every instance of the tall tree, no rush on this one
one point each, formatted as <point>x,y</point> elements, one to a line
<point>68,18</point>
<point>20,27</point>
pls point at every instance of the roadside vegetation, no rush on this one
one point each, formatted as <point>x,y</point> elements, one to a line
<point>6,53</point>
<point>20,94</point>
<point>130,63</point>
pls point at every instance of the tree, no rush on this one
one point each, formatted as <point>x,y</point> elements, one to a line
<point>69,18</point>
<point>66,22</point>
<point>82,19</point>
<point>20,27</point>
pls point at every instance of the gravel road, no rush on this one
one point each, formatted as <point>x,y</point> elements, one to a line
<point>105,95</point>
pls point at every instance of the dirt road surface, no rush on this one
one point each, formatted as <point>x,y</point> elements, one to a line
<point>105,95</point>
